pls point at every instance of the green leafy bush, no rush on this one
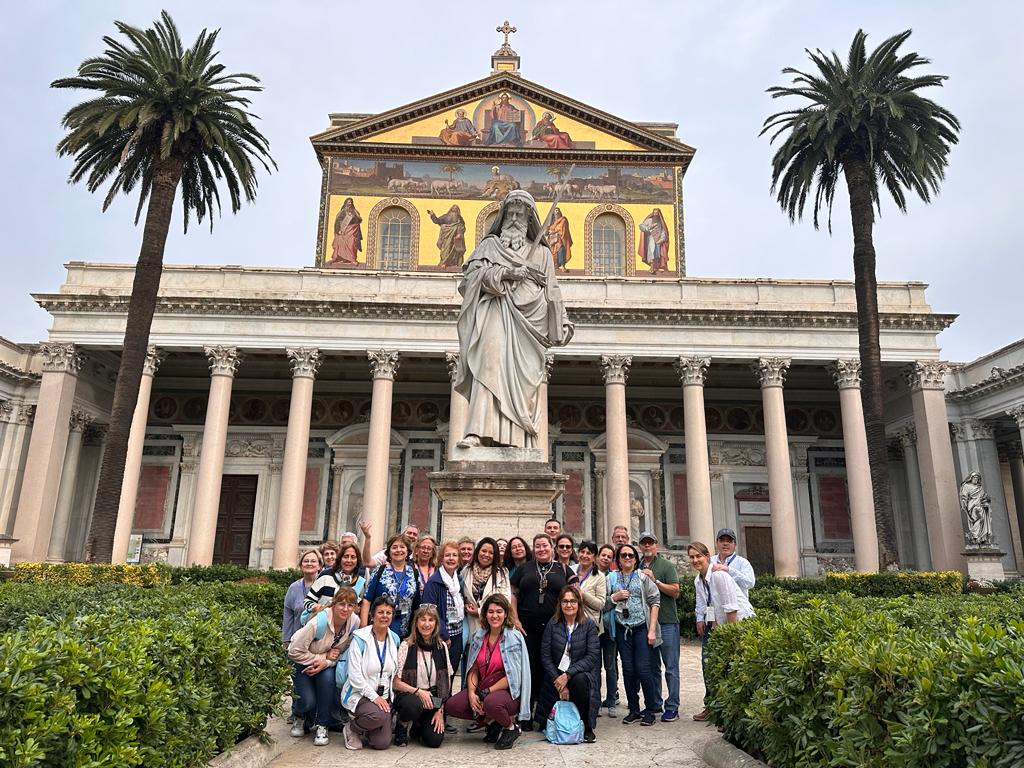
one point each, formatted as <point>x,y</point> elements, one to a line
<point>227,572</point>
<point>896,583</point>
<point>119,676</point>
<point>929,682</point>
<point>86,574</point>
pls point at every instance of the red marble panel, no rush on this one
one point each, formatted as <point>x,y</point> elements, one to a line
<point>573,502</point>
<point>310,498</point>
<point>835,507</point>
<point>680,504</point>
<point>419,514</point>
<point>149,505</point>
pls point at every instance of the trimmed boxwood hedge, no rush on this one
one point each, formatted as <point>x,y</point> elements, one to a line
<point>87,574</point>
<point>114,675</point>
<point>925,682</point>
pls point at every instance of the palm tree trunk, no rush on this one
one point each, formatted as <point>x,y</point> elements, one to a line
<point>166,175</point>
<point>858,182</point>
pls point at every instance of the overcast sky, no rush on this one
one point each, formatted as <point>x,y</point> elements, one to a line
<point>703,65</point>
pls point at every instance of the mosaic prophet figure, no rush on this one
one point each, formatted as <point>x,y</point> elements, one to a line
<point>348,236</point>
<point>451,237</point>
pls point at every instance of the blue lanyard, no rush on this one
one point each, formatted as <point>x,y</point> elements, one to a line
<point>423,580</point>
<point>629,584</point>
<point>568,635</point>
<point>707,588</point>
<point>731,558</point>
<point>382,651</point>
<point>589,571</point>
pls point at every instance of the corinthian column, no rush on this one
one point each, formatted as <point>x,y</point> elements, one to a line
<point>615,369</point>
<point>692,372</point>
<point>66,492</point>
<point>918,520</point>
<point>458,407</point>
<point>305,362</point>
<point>383,364</point>
<point>47,445</point>
<point>133,459</point>
<point>223,366</point>
<point>771,373</point>
<point>858,471</point>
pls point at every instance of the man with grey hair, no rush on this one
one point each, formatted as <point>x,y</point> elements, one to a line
<point>512,313</point>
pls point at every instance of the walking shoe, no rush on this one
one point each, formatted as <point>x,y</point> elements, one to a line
<point>589,737</point>
<point>320,740</point>
<point>631,718</point>
<point>290,719</point>
<point>450,729</point>
<point>401,736</point>
<point>599,711</point>
<point>648,719</point>
<point>352,739</point>
<point>298,730</point>
<point>701,716</point>
<point>612,712</point>
<point>526,725</point>
<point>670,716</point>
<point>493,732</point>
<point>508,737</point>
<point>475,726</point>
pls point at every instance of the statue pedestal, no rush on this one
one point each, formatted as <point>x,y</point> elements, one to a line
<point>499,492</point>
<point>984,564</point>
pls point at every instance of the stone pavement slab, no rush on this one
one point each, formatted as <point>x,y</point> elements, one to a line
<point>677,744</point>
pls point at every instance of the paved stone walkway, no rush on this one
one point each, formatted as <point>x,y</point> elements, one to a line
<point>628,746</point>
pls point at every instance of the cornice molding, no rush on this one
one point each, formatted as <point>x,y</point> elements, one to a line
<point>998,379</point>
<point>16,374</point>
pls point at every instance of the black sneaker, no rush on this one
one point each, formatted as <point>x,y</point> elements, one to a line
<point>401,736</point>
<point>589,737</point>
<point>508,738</point>
<point>647,719</point>
<point>493,732</point>
<point>631,718</point>
<point>526,725</point>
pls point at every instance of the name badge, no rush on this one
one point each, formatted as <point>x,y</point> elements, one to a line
<point>563,665</point>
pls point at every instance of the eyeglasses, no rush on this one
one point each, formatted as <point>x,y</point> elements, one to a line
<point>570,602</point>
<point>627,556</point>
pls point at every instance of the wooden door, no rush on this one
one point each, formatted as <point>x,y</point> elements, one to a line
<point>757,546</point>
<point>234,519</point>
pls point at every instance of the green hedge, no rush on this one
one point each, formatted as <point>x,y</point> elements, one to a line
<point>120,676</point>
<point>929,682</point>
<point>87,574</point>
<point>204,573</point>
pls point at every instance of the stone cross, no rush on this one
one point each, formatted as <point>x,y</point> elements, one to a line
<point>506,30</point>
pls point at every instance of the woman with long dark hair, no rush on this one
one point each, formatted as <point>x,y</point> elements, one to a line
<point>483,577</point>
<point>347,571</point>
<point>517,554</point>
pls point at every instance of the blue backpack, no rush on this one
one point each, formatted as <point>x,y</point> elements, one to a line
<point>565,726</point>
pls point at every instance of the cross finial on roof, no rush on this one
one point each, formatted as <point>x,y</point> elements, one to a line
<point>506,30</point>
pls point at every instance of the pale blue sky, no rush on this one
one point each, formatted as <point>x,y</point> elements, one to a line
<point>703,65</point>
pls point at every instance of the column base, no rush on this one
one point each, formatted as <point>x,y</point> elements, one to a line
<point>984,564</point>
<point>499,492</point>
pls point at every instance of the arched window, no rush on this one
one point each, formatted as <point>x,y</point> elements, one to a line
<point>609,245</point>
<point>395,228</point>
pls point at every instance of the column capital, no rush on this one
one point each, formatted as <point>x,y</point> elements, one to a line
<point>1017,412</point>
<point>6,411</point>
<point>95,434</point>
<point>451,359</point>
<point>26,415</point>
<point>926,374</point>
<point>692,370</point>
<point>771,371</point>
<point>79,421</point>
<point>61,358</point>
<point>224,361</point>
<point>656,474</point>
<point>383,363</point>
<point>971,429</point>
<point>305,361</point>
<point>845,373</point>
<point>907,436</point>
<point>549,364</point>
<point>153,359</point>
<point>615,368</point>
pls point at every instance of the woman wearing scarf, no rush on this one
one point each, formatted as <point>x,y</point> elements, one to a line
<point>395,580</point>
<point>483,577</point>
<point>423,683</point>
<point>347,571</point>
<point>444,591</point>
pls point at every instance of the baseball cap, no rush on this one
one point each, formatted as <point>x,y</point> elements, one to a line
<point>726,533</point>
<point>648,535</point>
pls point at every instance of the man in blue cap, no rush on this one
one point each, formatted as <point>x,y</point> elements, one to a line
<point>726,558</point>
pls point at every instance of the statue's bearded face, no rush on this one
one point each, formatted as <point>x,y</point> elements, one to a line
<point>513,226</point>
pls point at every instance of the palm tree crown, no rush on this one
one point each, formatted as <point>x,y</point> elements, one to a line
<point>869,110</point>
<point>160,103</point>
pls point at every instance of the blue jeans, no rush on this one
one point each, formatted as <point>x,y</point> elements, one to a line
<point>318,700</point>
<point>669,654</point>
<point>611,669</point>
<point>636,666</point>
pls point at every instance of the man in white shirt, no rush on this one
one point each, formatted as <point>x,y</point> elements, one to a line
<point>726,558</point>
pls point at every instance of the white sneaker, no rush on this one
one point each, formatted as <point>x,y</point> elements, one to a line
<point>320,740</point>
<point>298,730</point>
<point>612,711</point>
<point>352,741</point>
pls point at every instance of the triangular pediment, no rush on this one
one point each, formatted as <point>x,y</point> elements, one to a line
<point>504,112</point>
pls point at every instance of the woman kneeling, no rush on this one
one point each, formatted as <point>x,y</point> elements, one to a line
<point>498,684</point>
<point>422,685</point>
<point>372,664</point>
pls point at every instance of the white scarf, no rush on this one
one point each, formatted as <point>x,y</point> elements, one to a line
<point>452,583</point>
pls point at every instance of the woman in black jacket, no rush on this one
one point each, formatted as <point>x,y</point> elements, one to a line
<point>571,656</point>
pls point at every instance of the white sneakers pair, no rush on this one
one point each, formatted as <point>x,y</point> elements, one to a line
<point>320,733</point>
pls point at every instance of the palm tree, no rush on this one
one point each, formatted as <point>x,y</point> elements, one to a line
<point>451,169</point>
<point>867,121</point>
<point>163,115</point>
<point>558,171</point>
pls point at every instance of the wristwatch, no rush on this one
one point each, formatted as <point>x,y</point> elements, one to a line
<point>482,692</point>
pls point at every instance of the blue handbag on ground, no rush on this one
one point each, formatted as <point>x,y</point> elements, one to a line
<point>565,726</point>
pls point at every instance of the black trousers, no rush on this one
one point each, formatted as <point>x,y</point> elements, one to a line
<point>579,694</point>
<point>411,710</point>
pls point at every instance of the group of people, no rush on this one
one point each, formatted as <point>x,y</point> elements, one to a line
<point>395,644</point>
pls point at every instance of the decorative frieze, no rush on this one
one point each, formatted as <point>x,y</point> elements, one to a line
<point>615,368</point>
<point>60,358</point>
<point>692,370</point>
<point>451,359</point>
<point>305,361</point>
<point>153,359</point>
<point>845,373</point>
<point>224,361</point>
<point>926,374</point>
<point>771,371</point>
<point>383,363</point>
<point>736,455</point>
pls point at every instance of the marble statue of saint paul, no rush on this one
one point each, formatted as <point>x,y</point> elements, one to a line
<point>512,313</point>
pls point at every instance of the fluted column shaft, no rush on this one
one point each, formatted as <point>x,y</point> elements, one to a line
<point>304,362</point>
<point>846,374</point>
<point>543,436</point>
<point>615,369</point>
<point>771,373</point>
<point>133,459</point>
<point>383,364</point>
<point>692,372</point>
<point>223,365</point>
<point>918,519</point>
<point>458,408</point>
<point>66,490</point>
<point>47,445</point>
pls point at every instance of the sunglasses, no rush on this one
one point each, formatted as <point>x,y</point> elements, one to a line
<point>565,546</point>
<point>627,556</point>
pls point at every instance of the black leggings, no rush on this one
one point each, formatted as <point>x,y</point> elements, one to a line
<point>411,710</point>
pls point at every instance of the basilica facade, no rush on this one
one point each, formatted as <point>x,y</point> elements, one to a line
<point>281,406</point>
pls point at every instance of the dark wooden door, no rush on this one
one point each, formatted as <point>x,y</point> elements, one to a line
<point>234,519</point>
<point>757,542</point>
